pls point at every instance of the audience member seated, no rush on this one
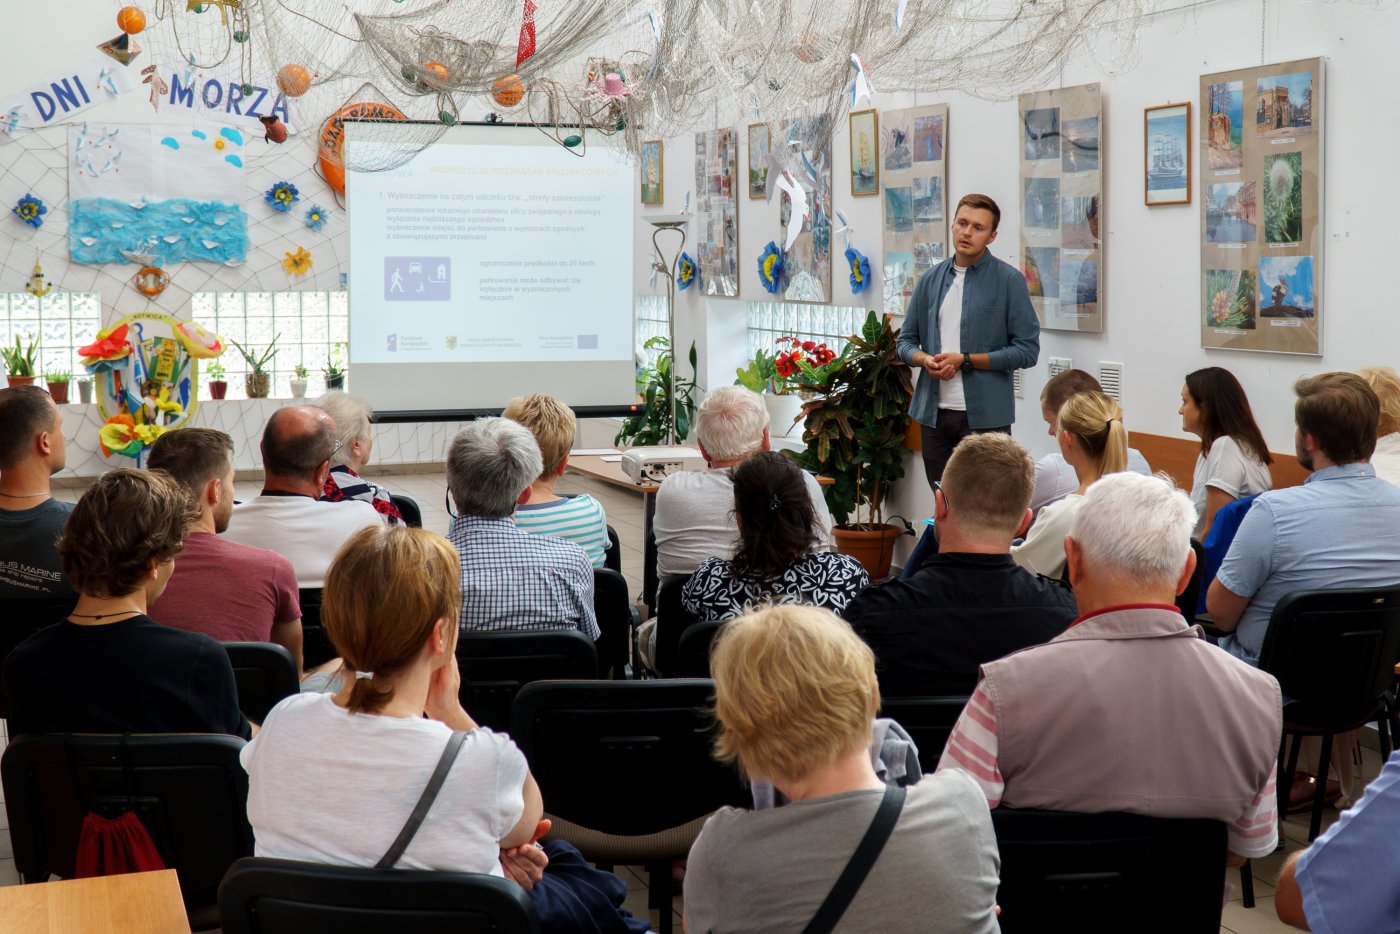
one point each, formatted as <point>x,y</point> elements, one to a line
<point>1094,441</point>
<point>795,696</point>
<point>579,517</point>
<point>290,517</point>
<point>1234,460</point>
<point>391,604</point>
<point>1339,529</point>
<point>774,560</point>
<point>1344,882</point>
<point>354,433</point>
<point>511,580</point>
<point>230,592</point>
<point>1054,477</point>
<point>1385,383</point>
<point>1071,725</point>
<point>31,450</point>
<point>108,667</point>
<point>694,509</point>
<point>969,603</point>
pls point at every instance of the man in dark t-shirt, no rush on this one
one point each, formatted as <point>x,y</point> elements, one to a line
<point>31,450</point>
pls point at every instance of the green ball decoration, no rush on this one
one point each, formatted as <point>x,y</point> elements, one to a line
<point>247,89</point>
<point>408,74</point>
<point>621,124</point>
<point>240,36</point>
<point>200,7</point>
<point>447,119</point>
<point>572,141</point>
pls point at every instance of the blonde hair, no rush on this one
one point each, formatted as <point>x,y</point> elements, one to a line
<point>551,422</point>
<point>1386,384</point>
<point>795,690</point>
<point>989,480</point>
<point>1096,421</point>
<point>353,419</point>
<point>385,592</point>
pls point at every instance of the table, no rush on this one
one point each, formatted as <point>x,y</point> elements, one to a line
<point>136,903</point>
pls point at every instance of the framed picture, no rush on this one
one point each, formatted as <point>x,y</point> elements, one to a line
<point>653,172</point>
<point>912,172</point>
<point>1166,154</point>
<point>759,143</point>
<point>865,150</point>
<point>716,221</point>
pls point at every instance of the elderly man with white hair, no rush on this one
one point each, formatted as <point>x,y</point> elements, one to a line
<point>1130,709</point>
<point>695,510</point>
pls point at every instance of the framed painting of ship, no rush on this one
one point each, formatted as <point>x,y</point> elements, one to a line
<point>1166,153</point>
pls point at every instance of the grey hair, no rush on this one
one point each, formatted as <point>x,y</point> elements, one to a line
<point>352,416</point>
<point>490,463</point>
<point>730,423</point>
<point>1135,527</point>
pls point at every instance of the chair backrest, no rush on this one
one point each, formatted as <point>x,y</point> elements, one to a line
<point>1087,873</point>
<point>495,665</point>
<point>1187,600</point>
<point>616,620</point>
<point>278,896</point>
<point>1333,651</point>
<point>20,619</point>
<point>928,720</point>
<point>316,648</point>
<point>672,620</point>
<point>693,655</point>
<point>624,757</point>
<point>612,559</point>
<point>188,789</point>
<point>408,508</point>
<point>265,673</point>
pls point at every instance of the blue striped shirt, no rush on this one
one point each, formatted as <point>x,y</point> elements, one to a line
<point>579,518</point>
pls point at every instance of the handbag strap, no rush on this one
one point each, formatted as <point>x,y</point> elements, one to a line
<point>425,801</point>
<point>861,862</point>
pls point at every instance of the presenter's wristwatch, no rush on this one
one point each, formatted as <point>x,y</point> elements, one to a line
<point>966,363</point>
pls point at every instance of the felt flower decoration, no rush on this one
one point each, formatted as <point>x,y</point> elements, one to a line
<point>860,270</point>
<point>770,267</point>
<point>315,217</point>
<point>298,263</point>
<point>282,196</point>
<point>108,352</point>
<point>685,272</point>
<point>118,436</point>
<point>30,210</point>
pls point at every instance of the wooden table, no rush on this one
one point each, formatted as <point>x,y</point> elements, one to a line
<point>136,903</point>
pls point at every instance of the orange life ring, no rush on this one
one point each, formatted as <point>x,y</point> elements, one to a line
<point>332,158</point>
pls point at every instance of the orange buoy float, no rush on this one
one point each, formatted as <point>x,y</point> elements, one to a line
<point>436,71</point>
<point>293,80</point>
<point>131,20</point>
<point>508,90</point>
<point>332,145</point>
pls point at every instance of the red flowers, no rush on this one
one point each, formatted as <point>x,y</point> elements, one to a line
<point>802,360</point>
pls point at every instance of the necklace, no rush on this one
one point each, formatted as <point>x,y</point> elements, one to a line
<point>104,615</point>
<point>24,495</point>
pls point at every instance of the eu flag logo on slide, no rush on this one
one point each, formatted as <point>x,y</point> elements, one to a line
<point>391,342</point>
<point>417,278</point>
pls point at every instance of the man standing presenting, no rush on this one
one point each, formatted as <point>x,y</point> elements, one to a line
<point>969,324</point>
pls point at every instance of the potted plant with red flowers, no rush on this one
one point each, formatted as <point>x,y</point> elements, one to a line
<point>781,374</point>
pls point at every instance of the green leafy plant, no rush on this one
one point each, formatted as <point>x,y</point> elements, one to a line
<point>58,376</point>
<point>19,359</point>
<point>854,427</point>
<point>655,383</point>
<point>335,362</point>
<point>216,371</point>
<point>301,371</point>
<point>793,364</point>
<point>257,365</point>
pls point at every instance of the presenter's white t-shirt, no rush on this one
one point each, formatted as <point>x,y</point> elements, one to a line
<point>1230,469</point>
<point>950,392</point>
<point>307,532</point>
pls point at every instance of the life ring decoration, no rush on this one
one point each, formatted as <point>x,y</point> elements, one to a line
<point>332,144</point>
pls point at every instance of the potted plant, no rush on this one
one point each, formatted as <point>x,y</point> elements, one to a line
<point>854,430</point>
<point>780,374</point>
<point>19,361</point>
<point>258,381</point>
<point>58,381</point>
<point>652,424</point>
<point>335,367</point>
<point>85,390</point>
<point>218,386</point>
<point>299,383</point>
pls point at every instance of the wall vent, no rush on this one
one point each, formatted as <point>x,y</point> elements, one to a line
<point>1059,364</point>
<point>1111,379</point>
<point>1016,384</point>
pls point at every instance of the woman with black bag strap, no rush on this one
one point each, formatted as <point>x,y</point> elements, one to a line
<point>795,696</point>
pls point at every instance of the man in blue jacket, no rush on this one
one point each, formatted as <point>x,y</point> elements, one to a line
<point>969,324</point>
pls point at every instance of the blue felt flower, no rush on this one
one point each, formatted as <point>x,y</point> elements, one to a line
<point>770,267</point>
<point>860,270</point>
<point>30,210</point>
<point>315,217</point>
<point>282,196</point>
<point>685,272</point>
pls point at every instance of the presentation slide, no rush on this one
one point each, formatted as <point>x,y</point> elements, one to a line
<point>494,263</point>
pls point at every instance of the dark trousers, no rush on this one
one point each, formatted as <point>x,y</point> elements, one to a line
<point>938,441</point>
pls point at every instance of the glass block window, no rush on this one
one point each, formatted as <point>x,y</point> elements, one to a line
<point>832,324</point>
<point>61,322</point>
<point>651,321</point>
<point>308,326</point>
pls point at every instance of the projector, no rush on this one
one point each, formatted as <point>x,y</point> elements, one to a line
<point>654,464</point>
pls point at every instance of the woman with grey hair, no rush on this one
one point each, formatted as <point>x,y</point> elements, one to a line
<point>354,441</point>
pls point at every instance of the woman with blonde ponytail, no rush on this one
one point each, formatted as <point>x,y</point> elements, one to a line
<point>1094,441</point>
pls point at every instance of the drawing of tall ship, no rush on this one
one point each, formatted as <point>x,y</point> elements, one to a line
<point>1167,158</point>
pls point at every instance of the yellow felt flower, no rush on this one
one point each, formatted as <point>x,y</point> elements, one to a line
<point>298,263</point>
<point>147,434</point>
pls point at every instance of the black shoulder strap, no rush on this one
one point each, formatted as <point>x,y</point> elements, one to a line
<point>851,878</point>
<point>425,801</point>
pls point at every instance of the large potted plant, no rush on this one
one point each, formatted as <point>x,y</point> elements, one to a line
<point>854,431</point>
<point>19,362</point>
<point>258,380</point>
<point>656,384</point>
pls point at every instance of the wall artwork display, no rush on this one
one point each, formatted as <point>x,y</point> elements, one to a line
<point>865,151</point>
<point>716,223</point>
<point>808,263</point>
<point>759,144</point>
<point>653,172</point>
<point>913,174</point>
<point>1166,154</point>
<point>1261,148</point>
<point>1062,206</point>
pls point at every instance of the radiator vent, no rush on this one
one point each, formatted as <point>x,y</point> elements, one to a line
<point>1111,379</point>
<point>1016,384</point>
<point>1059,364</point>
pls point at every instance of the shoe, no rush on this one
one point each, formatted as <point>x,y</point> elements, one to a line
<point>1300,797</point>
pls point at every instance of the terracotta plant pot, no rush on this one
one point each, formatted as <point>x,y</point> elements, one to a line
<point>257,385</point>
<point>22,380</point>
<point>873,546</point>
<point>218,388</point>
<point>85,391</point>
<point>59,393</point>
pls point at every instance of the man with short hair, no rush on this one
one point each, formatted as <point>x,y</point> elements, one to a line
<point>1060,726</point>
<point>969,325</point>
<point>32,449</point>
<point>289,516</point>
<point>1054,477</point>
<point>1339,529</point>
<point>970,603</point>
<point>695,509</point>
<point>228,591</point>
<point>511,580</point>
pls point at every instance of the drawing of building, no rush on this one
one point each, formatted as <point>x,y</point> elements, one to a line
<point>1273,109</point>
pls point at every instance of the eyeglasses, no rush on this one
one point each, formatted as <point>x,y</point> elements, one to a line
<point>938,488</point>
<point>335,450</point>
<point>447,498</point>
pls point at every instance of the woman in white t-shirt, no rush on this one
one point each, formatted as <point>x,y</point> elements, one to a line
<point>1234,459</point>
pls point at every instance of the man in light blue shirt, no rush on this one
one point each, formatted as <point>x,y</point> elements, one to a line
<point>1340,529</point>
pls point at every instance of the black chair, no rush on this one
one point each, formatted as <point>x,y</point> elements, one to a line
<point>496,665</point>
<point>279,896</point>
<point>1087,873</point>
<point>316,648</point>
<point>928,720</point>
<point>1334,654</point>
<point>612,558</point>
<point>188,789</point>
<point>625,769</point>
<point>265,673</point>
<point>672,621</point>
<point>1187,600</point>
<point>408,508</point>
<point>693,654</point>
<point>617,621</point>
<point>20,619</point>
